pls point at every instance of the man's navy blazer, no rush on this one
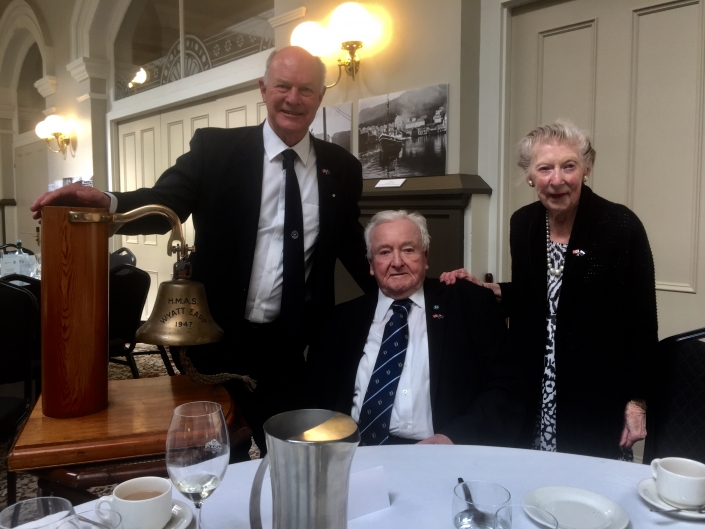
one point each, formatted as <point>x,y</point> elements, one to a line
<point>219,182</point>
<point>473,380</point>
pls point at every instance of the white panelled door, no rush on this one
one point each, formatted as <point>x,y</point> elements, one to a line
<point>631,73</point>
<point>148,146</point>
<point>31,176</point>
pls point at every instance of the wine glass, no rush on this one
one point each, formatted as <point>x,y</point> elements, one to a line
<point>197,450</point>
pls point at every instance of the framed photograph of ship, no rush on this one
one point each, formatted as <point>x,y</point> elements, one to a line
<point>404,134</point>
<point>334,124</point>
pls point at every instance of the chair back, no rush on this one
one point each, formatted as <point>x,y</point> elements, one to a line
<point>676,417</point>
<point>19,313</point>
<point>128,288</point>
<point>122,256</point>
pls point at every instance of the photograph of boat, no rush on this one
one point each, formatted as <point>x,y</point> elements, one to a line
<point>403,134</point>
<point>334,124</point>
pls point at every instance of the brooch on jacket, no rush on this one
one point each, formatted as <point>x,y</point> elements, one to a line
<point>579,253</point>
<point>325,171</point>
<point>438,316</point>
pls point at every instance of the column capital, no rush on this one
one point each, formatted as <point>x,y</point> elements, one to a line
<point>86,68</point>
<point>46,85</point>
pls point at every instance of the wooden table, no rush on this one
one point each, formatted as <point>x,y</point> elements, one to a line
<point>125,440</point>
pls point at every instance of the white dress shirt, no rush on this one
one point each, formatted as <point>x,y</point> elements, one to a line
<point>411,413</point>
<point>265,295</point>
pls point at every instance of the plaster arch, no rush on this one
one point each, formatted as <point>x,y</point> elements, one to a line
<point>20,27</point>
<point>94,26</point>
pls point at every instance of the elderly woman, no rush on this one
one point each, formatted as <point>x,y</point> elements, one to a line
<point>581,303</point>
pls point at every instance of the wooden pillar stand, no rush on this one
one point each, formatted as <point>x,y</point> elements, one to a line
<point>74,314</point>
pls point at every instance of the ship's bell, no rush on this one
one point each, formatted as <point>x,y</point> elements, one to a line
<point>180,316</point>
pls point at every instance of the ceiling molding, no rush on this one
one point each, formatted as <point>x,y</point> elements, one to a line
<point>287,17</point>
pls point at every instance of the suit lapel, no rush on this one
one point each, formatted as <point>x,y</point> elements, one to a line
<point>360,329</point>
<point>327,188</point>
<point>537,253</point>
<point>250,166</point>
<point>576,264</point>
<point>435,327</point>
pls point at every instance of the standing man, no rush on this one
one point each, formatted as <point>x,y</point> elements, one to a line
<point>273,208</point>
<point>418,361</point>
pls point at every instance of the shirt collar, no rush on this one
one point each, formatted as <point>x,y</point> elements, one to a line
<point>274,146</point>
<point>384,302</point>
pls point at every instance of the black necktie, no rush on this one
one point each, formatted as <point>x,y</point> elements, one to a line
<point>293,287</point>
<point>376,410</point>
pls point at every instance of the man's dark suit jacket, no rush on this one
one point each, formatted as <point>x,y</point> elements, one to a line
<point>473,381</point>
<point>219,182</point>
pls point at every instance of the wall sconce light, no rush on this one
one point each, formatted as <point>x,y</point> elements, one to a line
<point>349,27</point>
<point>54,128</point>
<point>140,77</point>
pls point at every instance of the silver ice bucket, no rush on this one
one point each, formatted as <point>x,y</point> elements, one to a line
<point>310,453</point>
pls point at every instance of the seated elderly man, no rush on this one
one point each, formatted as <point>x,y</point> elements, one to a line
<point>418,360</point>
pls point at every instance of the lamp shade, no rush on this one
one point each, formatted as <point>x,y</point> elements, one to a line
<point>56,123</point>
<point>351,21</point>
<point>42,130</point>
<point>314,38</point>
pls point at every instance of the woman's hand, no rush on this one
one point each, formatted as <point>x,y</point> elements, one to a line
<point>450,278</point>
<point>634,425</point>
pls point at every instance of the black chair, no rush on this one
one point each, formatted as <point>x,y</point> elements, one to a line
<point>676,416</point>
<point>19,313</point>
<point>128,291</point>
<point>34,286</point>
<point>122,256</point>
<point>4,248</point>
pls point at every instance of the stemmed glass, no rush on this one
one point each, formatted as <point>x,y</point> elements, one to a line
<point>197,450</point>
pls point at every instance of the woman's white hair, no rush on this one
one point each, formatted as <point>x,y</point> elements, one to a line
<point>562,131</point>
<point>390,215</point>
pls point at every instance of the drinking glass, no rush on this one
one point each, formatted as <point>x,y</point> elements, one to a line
<point>197,450</point>
<point>37,513</point>
<point>476,502</point>
<point>98,519</point>
<point>524,516</point>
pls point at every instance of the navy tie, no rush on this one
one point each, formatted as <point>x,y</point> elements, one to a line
<point>376,411</point>
<point>294,280</point>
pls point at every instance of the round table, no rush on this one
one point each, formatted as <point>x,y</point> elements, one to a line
<point>421,480</point>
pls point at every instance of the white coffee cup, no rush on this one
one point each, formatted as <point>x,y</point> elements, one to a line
<point>137,511</point>
<point>679,481</point>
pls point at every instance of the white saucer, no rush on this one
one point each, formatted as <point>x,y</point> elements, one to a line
<point>181,516</point>
<point>647,490</point>
<point>576,508</point>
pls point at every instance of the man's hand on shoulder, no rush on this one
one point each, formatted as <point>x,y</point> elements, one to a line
<point>436,439</point>
<point>71,195</point>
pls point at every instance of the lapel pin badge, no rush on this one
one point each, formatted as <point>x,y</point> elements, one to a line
<point>579,253</point>
<point>436,307</point>
<point>438,316</point>
<point>325,171</point>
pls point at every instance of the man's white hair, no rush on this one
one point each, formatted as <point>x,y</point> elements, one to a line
<point>319,63</point>
<point>390,215</point>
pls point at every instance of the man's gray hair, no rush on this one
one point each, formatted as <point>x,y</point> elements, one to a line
<point>390,215</point>
<point>562,131</point>
<point>319,63</point>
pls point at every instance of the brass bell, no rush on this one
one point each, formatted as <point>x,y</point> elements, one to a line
<point>180,316</point>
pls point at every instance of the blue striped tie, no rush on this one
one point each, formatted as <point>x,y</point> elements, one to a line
<point>376,411</point>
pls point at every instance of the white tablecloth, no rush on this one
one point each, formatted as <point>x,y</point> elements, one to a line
<point>421,481</point>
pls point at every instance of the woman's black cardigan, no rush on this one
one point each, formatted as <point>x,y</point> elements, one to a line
<point>606,328</point>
